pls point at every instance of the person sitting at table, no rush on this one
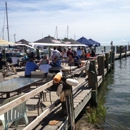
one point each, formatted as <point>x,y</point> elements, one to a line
<point>44,60</point>
<point>76,59</point>
<point>88,54</point>
<point>55,62</point>
<point>83,56</point>
<point>93,53</point>
<point>30,66</point>
<point>71,61</point>
<point>45,68</point>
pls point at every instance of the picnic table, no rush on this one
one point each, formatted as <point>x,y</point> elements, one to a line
<point>16,85</point>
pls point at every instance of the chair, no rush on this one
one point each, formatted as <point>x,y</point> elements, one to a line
<point>38,74</point>
<point>49,78</point>
<point>36,102</point>
<point>14,114</point>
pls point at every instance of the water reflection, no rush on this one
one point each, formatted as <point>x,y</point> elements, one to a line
<point>117,97</point>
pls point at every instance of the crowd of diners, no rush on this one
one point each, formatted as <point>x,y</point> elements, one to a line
<point>44,63</point>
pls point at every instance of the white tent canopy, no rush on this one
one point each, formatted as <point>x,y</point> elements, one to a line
<point>56,44</point>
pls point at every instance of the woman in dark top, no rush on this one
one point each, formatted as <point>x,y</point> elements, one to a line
<point>71,59</point>
<point>83,56</point>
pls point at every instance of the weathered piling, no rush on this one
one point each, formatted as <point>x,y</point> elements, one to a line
<point>110,59</point>
<point>106,61</point>
<point>92,81</point>
<point>120,52</point>
<point>117,49</point>
<point>67,103</point>
<point>70,107</point>
<point>104,49</point>
<point>125,51</point>
<point>113,59</point>
<point>101,66</point>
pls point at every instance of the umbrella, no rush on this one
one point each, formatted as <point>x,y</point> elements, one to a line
<point>47,39</point>
<point>85,41</point>
<point>94,43</point>
<point>3,42</point>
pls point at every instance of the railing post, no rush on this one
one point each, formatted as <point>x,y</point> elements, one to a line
<point>104,49</point>
<point>110,60</point>
<point>92,81</point>
<point>125,51</point>
<point>68,105</point>
<point>120,51</point>
<point>113,59</point>
<point>106,61</point>
<point>101,66</point>
<point>117,49</point>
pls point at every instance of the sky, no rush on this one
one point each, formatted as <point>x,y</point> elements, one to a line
<point>101,20</point>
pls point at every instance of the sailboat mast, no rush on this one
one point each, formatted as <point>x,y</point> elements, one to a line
<point>57,32</point>
<point>7,20</point>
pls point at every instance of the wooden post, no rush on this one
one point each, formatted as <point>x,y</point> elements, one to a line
<point>110,60</point>
<point>101,66</point>
<point>113,48</point>
<point>120,51</point>
<point>92,81</point>
<point>4,54</point>
<point>125,51</point>
<point>106,61</point>
<point>113,59</point>
<point>117,49</point>
<point>104,49</point>
<point>49,50</point>
<point>68,105</point>
<point>37,51</point>
<point>25,50</point>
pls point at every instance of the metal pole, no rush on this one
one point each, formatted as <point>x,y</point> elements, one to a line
<point>7,20</point>
<point>14,37</point>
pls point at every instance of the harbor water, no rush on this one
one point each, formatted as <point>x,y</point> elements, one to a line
<point>117,96</point>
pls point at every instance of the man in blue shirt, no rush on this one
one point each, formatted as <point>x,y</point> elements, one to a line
<point>30,66</point>
<point>56,62</point>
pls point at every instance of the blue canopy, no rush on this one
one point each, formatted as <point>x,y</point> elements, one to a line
<point>94,43</point>
<point>85,41</point>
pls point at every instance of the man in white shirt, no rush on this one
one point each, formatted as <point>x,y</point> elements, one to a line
<point>45,68</point>
<point>54,53</point>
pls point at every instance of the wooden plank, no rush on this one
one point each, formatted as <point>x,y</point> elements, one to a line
<point>79,108</point>
<point>41,116</point>
<point>75,104</point>
<point>100,79</point>
<point>24,98</point>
